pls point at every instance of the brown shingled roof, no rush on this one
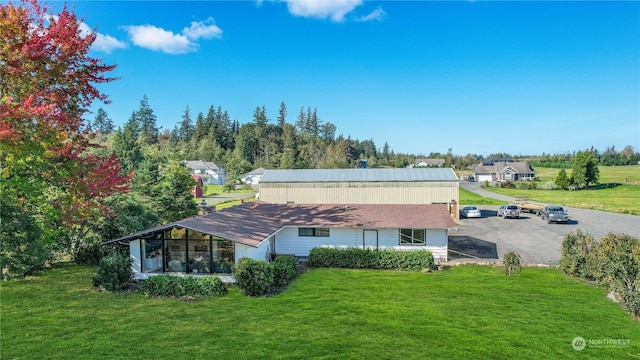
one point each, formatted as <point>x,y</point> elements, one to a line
<point>253,222</point>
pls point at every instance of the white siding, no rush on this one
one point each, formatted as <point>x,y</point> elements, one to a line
<point>288,242</point>
<point>135,256</point>
<point>259,253</point>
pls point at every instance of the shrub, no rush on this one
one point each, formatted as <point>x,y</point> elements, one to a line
<point>617,266</point>
<point>406,260</point>
<point>254,277</point>
<point>507,184</point>
<point>355,258</point>
<point>285,270</point>
<point>550,185</point>
<point>114,272</point>
<point>512,262</point>
<point>576,255</point>
<point>89,253</point>
<point>183,287</point>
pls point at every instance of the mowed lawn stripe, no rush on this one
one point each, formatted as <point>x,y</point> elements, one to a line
<point>462,312</point>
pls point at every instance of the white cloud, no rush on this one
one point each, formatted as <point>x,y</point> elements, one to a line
<point>377,14</point>
<point>203,29</point>
<point>155,38</point>
<point>107,43</point>
<point>322,9</point>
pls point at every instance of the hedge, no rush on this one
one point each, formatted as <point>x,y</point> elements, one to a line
<point>183,287</point>
<point>355,258</point>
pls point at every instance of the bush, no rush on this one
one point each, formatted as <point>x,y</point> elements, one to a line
<point>254,277</point>
<point>114,272</point>
<point>285,270</point>
<point>576,255</point>
<point>550,185</point>
<point>183,287</point>
<point>88,253</point>
<point>260,278</point>
<point>355,258</point>
<point>512,262</point>
<point>507,184</point>
<point>616,265</point>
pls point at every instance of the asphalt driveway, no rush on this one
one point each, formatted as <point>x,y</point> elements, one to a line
<point>488,238</point>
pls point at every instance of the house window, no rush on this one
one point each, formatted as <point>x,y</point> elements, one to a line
<point>318,232</point>
<point>186,251</point>
<point>151,255</point>
<point>412,237</point>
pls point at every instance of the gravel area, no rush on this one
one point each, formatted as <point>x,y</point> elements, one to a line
<point>488,238</point>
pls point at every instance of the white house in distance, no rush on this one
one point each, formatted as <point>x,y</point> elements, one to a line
<point>252,178</point>
<point>212,243</point>
<point>503,170</point>
<point>429,162</point>
<point>208,171</point>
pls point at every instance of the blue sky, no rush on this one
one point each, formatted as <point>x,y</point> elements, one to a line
<point>477,77</point>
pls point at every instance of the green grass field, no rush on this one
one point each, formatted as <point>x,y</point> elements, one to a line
<point>459,313</point>
<point>622,195</point>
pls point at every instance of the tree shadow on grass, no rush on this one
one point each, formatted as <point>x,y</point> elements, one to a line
<point>461,247</point>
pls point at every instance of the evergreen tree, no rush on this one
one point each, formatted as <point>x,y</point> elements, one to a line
<point>103,123</point>
<point>288,156</point>
<point>200,131</point>
<point>562,180</point>
<point>173,199</point>
<point>147,121</point>
<point>282,115</point>
<point>126,146</point>
<point>185,132</point>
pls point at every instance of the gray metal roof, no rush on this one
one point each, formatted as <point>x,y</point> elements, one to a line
<point>359,175</point>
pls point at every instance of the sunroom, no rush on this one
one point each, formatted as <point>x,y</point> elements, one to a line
<point>180,250</point>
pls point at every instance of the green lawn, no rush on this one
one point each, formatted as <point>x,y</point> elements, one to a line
<point>621,195</point>
<point>460,313</point>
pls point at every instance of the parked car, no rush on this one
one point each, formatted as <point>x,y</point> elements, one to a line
<point>509,211</point>
<point>470,212</point>
<point>554,213</point>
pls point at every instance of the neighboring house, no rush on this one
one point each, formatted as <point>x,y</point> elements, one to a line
<point>429,163</point>
<point>252,178</point>
<point>503,170</point>
<point>196,190</point>
<point>213,243</point>
<point>362,186</point>
<point>209,172</point>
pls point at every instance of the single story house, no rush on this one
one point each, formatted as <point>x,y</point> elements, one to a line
<point>208,171</point>
<point>252,178</point>
<point>503,171</point>
<point>429,162</point>
<point>212,243</point>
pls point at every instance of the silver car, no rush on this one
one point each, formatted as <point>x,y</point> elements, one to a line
<point>509,211</point>
<point>554,213</point>
<point>470,212</point>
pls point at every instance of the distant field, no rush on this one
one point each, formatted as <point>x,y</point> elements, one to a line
<point>466,312</point>
<point>621,196</point>
<point>626,175</point>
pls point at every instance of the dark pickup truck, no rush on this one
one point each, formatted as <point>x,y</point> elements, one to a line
<point>554,213</point>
